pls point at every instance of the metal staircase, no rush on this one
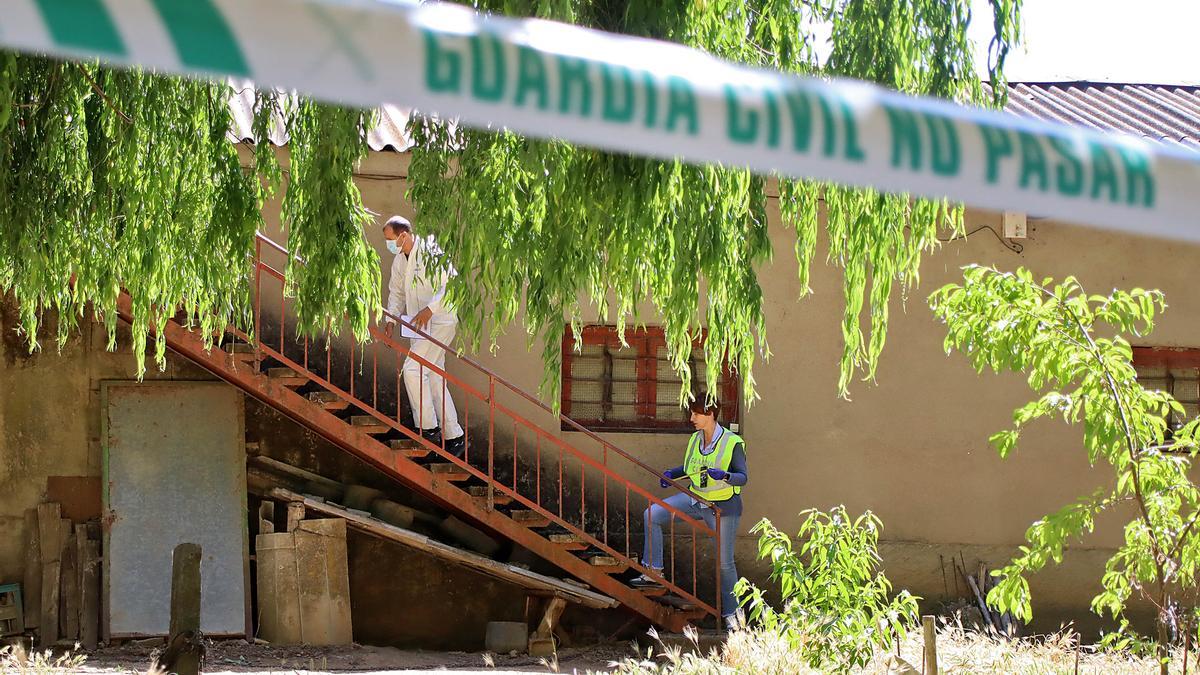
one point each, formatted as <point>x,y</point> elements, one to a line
<point>518,479</point>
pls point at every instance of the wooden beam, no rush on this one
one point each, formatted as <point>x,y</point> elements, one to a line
<point>89,585</point>
<point>184,648</point>
<point>266,517</point>
<point>302,475</point>
<point>68,616</point>
<point>295,514</point>
<point>32,589</point>
<point>510,573</point>
<point>541,643</point>
<point>49,532</point>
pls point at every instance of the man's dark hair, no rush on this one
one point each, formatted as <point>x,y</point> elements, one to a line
<point>398,224</point>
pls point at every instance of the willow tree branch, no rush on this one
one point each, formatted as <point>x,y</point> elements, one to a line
<point>100,92</point>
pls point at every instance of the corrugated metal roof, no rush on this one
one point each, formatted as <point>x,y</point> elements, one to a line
<point>388,134</point>
<point>1168,114</point>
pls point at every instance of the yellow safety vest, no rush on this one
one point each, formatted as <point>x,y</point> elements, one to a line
<point>696,463</point>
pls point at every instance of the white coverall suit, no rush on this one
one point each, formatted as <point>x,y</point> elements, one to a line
<point>410,291</point>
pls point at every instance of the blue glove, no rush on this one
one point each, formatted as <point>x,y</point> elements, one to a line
<point>717,474</point>
<point>668,475</point>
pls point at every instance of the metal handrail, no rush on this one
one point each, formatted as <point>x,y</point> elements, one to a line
<point>698,527</point>
<point>511,387</point>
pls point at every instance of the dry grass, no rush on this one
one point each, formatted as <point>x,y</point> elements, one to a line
<point>959,651</point>
<point>15,661</point>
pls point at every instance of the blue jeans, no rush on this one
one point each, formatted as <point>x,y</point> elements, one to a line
<point>656,516</point>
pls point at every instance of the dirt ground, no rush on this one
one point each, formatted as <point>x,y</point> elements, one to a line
<point>239,657</point>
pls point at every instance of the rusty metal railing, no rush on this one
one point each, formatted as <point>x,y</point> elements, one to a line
<point>541,473</point>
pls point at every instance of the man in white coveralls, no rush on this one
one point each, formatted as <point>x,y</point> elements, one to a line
<point>421,297</point>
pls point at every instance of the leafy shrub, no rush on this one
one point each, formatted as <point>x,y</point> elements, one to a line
<point>837,606</point>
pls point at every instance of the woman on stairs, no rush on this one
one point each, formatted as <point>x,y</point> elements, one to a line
<point>715,465</point>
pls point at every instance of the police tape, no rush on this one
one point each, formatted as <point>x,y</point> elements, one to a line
<point>633,95</point>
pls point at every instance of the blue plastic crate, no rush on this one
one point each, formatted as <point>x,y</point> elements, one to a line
<point>12,612</point>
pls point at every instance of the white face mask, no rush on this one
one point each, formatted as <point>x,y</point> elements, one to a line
<point>393,246</point>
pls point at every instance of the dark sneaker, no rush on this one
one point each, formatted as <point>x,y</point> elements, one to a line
<point>644,580</point>
<point>433,435</point>
<point>457,446</point>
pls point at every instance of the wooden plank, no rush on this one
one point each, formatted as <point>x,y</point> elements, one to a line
<point>449,471</point>
<point>295,472</point>
<point>480,492</point>
<point>287,377</point>
<point>369,424</point>
<point>324,599</point>
<point>510,573</point>
<point>530,518</point>
<point>278,592</point>
<point>541,642</point>
<point>50,597</point>
<point>184,649</point>
<point>929,656</point>
<point>49,532</point>
<point>49,520</point>
<point>78,497</point>
<point>295,514</point>
<point>89,598</point>
<point>266,517</point>
<point>31,591</point>
<point>328,400</point>
<point>68,611</point>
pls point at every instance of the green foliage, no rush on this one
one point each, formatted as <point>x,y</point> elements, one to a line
<point>1049,332</point>
<point>544,226</point>
<point>125,179</point>
<point>112,179</point>
<point>122,179</point>
<point>326,217</point>
<point>837,607</point>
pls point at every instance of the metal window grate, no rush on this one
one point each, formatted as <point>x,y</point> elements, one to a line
<point>1175,371</point>
<point>610,386</point>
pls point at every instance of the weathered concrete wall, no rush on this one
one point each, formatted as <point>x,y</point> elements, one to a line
<point>405,598</point>
<point>50,418</point>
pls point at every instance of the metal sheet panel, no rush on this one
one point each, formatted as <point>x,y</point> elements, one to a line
<point>175,472</point>
<point>1168,114</point>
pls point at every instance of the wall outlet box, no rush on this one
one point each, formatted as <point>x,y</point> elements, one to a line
<point>735,427</point>
<point>1015,225</point>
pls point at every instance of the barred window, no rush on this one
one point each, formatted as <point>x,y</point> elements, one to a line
<point>1175,371</point>
<point>607,387</point>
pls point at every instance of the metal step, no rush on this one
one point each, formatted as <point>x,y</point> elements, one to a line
<point>328,400</point>
<point>287,377</point>
<point>568,540</point>
<point>530,519</point>
<point>651,591</point>
<point>449,471</point>
<point>240,351</point>
<point>607,564</point>
<point>480,494</point>
<point>369,424</point>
